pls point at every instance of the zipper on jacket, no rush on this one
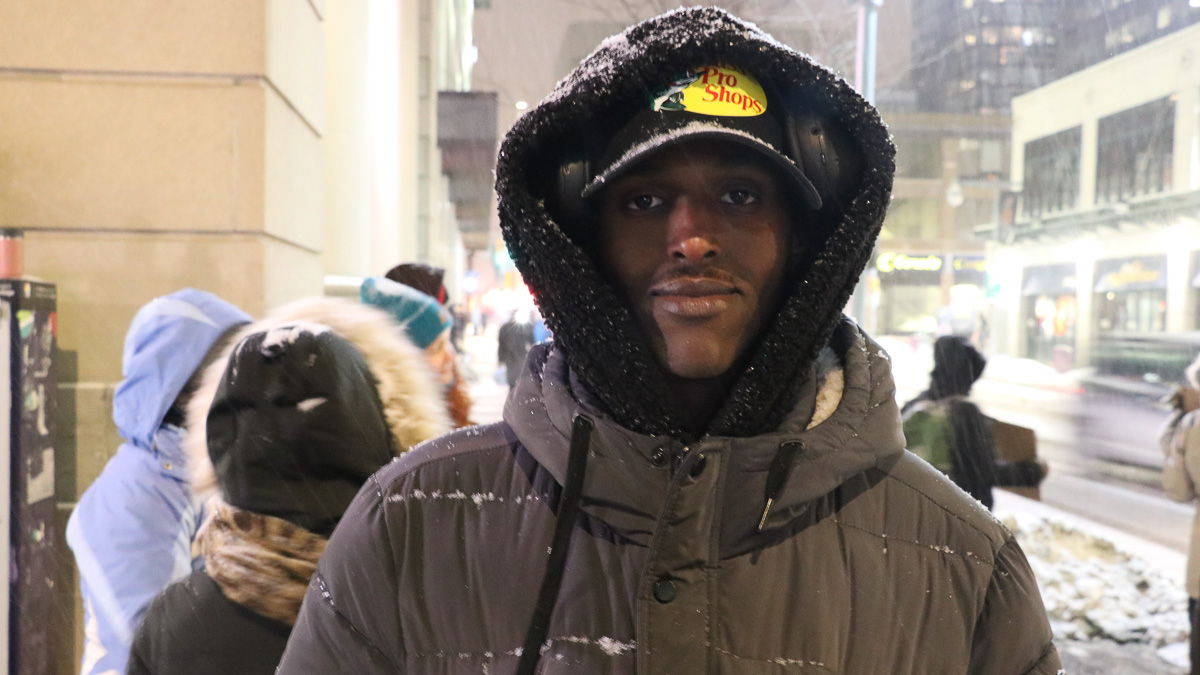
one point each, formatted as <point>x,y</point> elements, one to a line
<point>568,513</point>
<point>777,475</point>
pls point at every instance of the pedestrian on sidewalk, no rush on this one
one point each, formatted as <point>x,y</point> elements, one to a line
<point>291,424</point>
<point>427,322</point>
<point>704,471</point>
<point>945,428</point>
<point>1180,443</point>
<point>132,530</point>
<point>513,343</point>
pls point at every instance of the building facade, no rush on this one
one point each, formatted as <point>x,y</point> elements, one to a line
<point>1106,238</point>
<point>1094,31</point>
<point>231,147</point>
<point>976,55</point>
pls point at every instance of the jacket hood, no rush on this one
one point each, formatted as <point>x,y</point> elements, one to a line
<point>166,343</point>
<point>407,389</point>
<point>957,364</point>
<point>592,324</point>
<point>846,418</point>
<point>296,426</point>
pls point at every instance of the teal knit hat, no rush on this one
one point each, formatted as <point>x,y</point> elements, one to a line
<point>422,318</point>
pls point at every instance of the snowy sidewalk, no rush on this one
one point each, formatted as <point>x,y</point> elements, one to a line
<point>1096,579</point>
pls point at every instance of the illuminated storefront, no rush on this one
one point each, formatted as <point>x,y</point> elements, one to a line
<point>1049,309</point>
<point>910,290</point>
<point>929,293</point>
<point>1131,295</point>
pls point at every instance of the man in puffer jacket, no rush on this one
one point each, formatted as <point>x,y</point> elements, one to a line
<point>132,530</point>
<point>704,472</point>
<point>302,414</point>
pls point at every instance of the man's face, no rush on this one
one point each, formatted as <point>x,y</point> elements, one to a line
<point>696,237</point>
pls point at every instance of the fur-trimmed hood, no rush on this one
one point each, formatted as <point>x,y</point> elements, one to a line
<point>408,391</point>
<point>592,325</point>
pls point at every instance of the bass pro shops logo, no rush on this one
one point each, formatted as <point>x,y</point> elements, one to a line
<point>712,90</point>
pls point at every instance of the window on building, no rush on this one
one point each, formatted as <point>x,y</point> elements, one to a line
<point>981,158</point>
<point>918,156</point>
<point>915,218</point>
<point>1164,17</point>
<point>1052,173</point>
<point>972,214</point>
<point>1135,152</point>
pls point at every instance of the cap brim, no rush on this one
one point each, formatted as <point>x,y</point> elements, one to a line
<point>699,132</point>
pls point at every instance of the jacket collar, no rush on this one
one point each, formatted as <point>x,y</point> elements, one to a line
<point>627,474</point>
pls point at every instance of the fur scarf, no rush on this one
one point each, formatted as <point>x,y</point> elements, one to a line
<point>259,562</point>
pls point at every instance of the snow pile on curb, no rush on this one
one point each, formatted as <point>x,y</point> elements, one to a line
<point>1095,590</point>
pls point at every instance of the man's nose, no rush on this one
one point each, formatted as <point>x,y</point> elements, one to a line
<point>692,232</point>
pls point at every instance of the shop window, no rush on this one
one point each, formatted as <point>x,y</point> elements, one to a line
<point>1050,325</point>
<point>1135,152</point>
<point>1052,173</point>
<point>1132,311</point>
<point>1049,312</point>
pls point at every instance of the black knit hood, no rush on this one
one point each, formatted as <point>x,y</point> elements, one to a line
<point>591,323</point>
<point>297,426</point>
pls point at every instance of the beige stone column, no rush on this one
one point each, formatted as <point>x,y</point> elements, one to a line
<point>347,140</point>
<point>146,147</point>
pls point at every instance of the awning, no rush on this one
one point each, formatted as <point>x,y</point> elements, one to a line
<point>1131,274</point>
<point>1049,280</point>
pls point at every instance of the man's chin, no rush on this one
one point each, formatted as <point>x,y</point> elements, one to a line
<point>692,364</point>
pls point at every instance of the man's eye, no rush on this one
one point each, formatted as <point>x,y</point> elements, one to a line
<point>739,197</point>
<point>643,202</point>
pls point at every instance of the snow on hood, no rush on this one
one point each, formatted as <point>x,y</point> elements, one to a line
<point>166,342</point>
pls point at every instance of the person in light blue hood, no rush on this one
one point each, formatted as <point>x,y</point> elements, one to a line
<point>132,530</point>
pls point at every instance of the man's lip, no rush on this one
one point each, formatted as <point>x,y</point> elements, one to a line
<point>692,287</point>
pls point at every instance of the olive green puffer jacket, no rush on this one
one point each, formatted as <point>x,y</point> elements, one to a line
<point>869,561</point>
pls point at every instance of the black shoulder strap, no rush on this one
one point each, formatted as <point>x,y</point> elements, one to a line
<point>568,512</point>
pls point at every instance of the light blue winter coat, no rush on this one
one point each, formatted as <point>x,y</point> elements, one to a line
<point>132,530</point>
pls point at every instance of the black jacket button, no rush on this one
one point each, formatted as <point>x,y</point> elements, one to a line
<point>664,590</point>
<point>698,466</point>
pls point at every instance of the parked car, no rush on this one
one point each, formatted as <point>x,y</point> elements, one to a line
<point>1120,408</point>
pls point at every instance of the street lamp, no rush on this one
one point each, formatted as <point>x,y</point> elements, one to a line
<point>864,82</point>
<point>865,53</point>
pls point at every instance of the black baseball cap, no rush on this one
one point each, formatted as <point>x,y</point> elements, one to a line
<point>717,102</point>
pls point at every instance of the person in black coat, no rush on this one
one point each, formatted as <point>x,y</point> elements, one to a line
<point>513,345</point>
<point>301,418</point>
<point>973,464</point>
